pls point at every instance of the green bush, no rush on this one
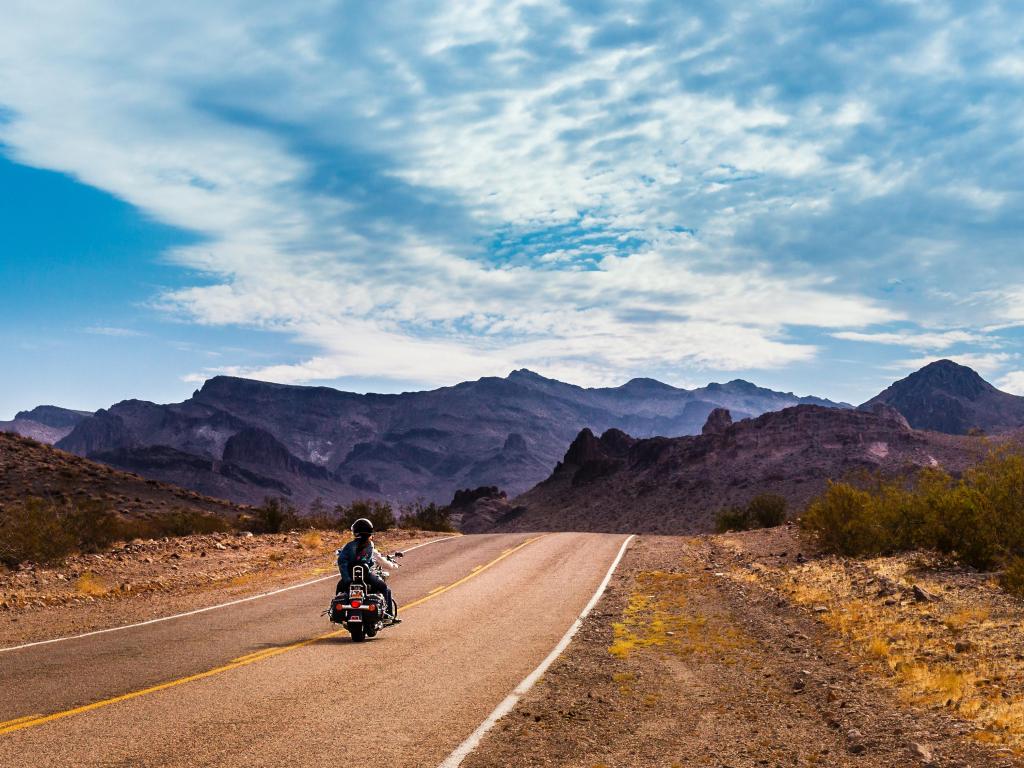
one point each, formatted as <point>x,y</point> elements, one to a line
<point>34,531</point>
<point>274,516</point>
<point>732,519</point>
<point>92,526</point>
<point>977,519</point>
<point>427,518</point>
<point>766,510</point>
<point>1013,577</point>
<point>377,512</point>
<point>186,522</point>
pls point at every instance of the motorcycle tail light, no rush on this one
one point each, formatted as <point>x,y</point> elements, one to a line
<point>356,603</point>
<point>339,606</point>
<point>372,607</point>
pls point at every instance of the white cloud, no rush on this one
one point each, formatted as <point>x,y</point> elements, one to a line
<point>916,339</point>
<point>107,330</point>
<point>349,172</point>
<point>1012,382</point>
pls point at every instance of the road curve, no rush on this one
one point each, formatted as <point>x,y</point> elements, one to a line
<point>408,697</point>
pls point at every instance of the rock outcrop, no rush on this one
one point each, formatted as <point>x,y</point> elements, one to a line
<point>480,509</point>
<point>718,421</point>
<point>677,485</point>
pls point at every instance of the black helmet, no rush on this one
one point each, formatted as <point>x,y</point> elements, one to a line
<point>362,527</point>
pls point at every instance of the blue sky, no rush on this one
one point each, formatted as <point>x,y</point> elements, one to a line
<point>819,197</point>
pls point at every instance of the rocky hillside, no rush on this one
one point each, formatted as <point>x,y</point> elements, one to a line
<point>45,423</point>
<point>30,468</point>
<point>947,397</point>
<point>616,482</point>
<point>243,440</point>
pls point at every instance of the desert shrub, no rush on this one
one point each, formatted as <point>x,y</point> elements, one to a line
<point>186,522</point>
<point>179,522</point>
<point>1013,577</point>
<point>92,526</point>
<point>319,516</point>
<point>977,519</point>
<point>845,521</point>
<point>34,531</point>
<point>767,510</point>
<point>377,512</point>
<point>274,516</point>
<point>732,519</point>
<point>427,518</point>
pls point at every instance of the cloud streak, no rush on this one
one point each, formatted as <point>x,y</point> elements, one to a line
<point>593,191</point>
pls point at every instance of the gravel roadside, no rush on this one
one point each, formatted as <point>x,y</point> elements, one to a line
<point>684,664</point>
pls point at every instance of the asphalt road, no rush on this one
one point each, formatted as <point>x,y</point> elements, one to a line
<point>259,684</point>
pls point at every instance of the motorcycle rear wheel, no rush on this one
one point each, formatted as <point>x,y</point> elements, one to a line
<point>358,632</point>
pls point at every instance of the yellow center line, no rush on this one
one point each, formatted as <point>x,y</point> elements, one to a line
<point>254,654</point>
<point>30,721</point>
<point>475,572</point>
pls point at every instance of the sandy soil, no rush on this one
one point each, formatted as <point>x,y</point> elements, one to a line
<point>141,580</point>
<point>700,655</point>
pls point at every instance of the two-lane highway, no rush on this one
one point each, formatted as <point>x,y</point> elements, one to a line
<point>268,683</point>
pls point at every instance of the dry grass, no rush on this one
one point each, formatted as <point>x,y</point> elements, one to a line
<point>912,643</point>
<point>965,617</point>
<point>658,616</point>
<point>311,540</point>
<point>91,585</point>
<point>243,579</point>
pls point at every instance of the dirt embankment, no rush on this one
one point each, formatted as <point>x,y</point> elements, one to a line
<point>727,651</point>
<point>141,580</point>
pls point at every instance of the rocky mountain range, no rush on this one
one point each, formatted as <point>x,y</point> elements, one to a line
<point>45,423</point>
<point>617,482</point>
<point>243,440</point>
<point>947,397</point>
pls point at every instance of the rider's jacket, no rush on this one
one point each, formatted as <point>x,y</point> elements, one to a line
<point>357,552</point>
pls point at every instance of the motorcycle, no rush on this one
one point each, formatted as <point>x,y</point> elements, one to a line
<point>362,612</point>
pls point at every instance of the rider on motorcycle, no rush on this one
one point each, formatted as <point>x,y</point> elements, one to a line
<point>360,551</point>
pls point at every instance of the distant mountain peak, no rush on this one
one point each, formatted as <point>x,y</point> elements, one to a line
<point>645,384</point>
<point>946,396</point>
<point>742,385</point>
<point>953,377</point>
<point>525,374</point>
<point>53,416</point>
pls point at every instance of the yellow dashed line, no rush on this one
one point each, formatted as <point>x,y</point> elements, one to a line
<point>17,720</point>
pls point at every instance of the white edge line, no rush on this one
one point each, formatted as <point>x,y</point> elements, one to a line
<point>462,751</point>
<point>198,610</point>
